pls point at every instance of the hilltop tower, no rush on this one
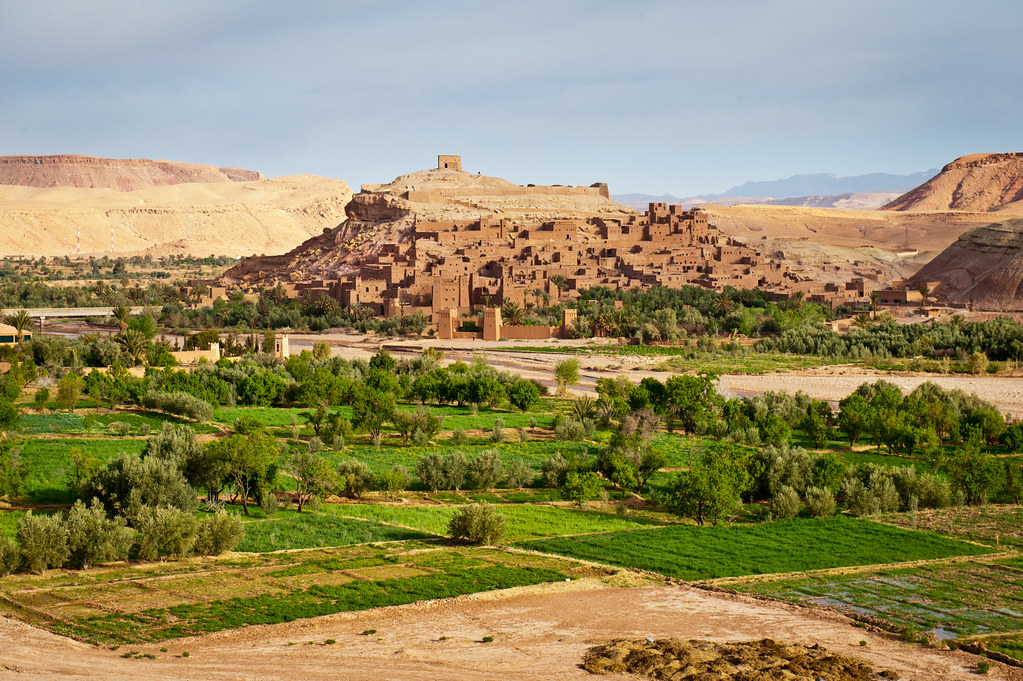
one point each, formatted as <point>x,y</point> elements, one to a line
<point>448,162</point>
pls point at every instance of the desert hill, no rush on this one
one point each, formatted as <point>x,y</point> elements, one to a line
<point>69,170</point>
<point>180,208</point>
<point>978,182</point>
<point>983,268</point>
<point>384,214</point>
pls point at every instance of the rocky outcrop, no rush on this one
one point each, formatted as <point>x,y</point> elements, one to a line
<point>983,268</point>
<point>979,182</point>
<point>68,170</point>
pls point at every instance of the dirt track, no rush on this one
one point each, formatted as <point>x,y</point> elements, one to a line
<point>539,633</point>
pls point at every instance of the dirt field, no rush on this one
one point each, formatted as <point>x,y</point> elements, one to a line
<point>539,633</point>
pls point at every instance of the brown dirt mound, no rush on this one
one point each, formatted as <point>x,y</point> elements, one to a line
<point>978,182</point>
<point>765,660</point>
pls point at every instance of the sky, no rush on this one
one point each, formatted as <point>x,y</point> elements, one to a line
<point>685,97</point>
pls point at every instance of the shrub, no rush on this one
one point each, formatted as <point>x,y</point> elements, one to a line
<point>355,477</point>
<point>485,469</point>
<point>218,533</point>
<point>10,556</point>
<point>456,467</point>
<point>878,495</point>
<point>43,541</point>
<point>127,484</point>
<point>179,404</point>
<point>458,437</point>
<point>393,481</point>
<point>479,524</point>
<point>520,474</point>
<point>820,502</point>
<point>164,532</point>
<point>784,503</point>
<point>268,503</point>
<point>574,429</point>
<point>554,470</point>
<point>95,538</point>
<point>497,434</point>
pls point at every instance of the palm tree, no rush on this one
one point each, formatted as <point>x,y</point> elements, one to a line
<point>537,294</point>
<point>924,291</point>
<point>862,321</point>
<point>546,299</point>
<point>875,298</point>
<point>135,345</point>
<point>20,320</point>
<point>560,283</point>
<point>121,314</point>
<point>512,313</point>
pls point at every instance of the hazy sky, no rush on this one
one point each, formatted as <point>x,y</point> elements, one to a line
<point>683,97</point>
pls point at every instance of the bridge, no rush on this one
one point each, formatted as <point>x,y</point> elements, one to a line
<point>45,312</point>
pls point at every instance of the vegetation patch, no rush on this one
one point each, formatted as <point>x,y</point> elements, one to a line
<point>947,600</point>
<point>694,553</point>
<point>311,530</point>
<point>998,525</point>
<point>220,594</point>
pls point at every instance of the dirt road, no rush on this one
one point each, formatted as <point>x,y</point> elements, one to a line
<point>539,633</point>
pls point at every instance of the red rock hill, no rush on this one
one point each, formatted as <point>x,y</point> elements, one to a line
<point>979,182</point>
<point>90,172</point>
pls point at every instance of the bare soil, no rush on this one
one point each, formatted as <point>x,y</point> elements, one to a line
<point>539,633</point>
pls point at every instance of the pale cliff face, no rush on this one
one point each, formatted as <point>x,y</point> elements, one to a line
<point>978,182</point>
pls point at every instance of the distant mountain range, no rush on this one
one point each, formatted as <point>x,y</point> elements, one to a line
<point>818,189</point>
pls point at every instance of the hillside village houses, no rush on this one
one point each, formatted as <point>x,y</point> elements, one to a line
<point>494,259</point>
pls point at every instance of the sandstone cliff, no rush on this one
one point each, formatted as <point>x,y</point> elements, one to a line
<point>979,182</point>
<point>983,268</point>
<point>384,214</point>
<point>68,170</point>
<point>199,218</point>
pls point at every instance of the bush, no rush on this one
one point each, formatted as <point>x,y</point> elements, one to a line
<point>574,429</point>
<point>393,481</point>
<point>458,437</point>
<point>430,471</point>
<point>127,484</point>
<point>877,495</point>
<point>479,524</point>
<point>520,474</point>
<point>43,541</point>
<point>164,532</point>
<point>218,533</point>
<point>456,467</point>
<point>268,503</point>
<point>784,504</point>
<point>485,469</point>
<point>355,477</point>
<point>10,556</point>
<point>555,470</point>
<point>820,502</point>
<point>95,538</point>
<point>179,404</point>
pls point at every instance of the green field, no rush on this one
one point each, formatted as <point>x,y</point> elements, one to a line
<point>957,600</point>
<point>522,522</point>
<point>169,600</point>
<point>995,525</point>
<point>694,553</point>
<point>312,530</point>
<point>62,422</point>
<point>49,459</point>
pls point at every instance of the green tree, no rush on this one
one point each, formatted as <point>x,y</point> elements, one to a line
<point>13,471</point>
<point>633,440</point>
<point>68,390</point>
<point>711,489</point>
<point>567,374</point>
<point>976,474</point>
<point>250,460</point>
<point>135,345</point>
<point>485,469</point>
<point>371,409</point>
<point>581,487</point>
<point>854,416</point>
<point>313,474</point>
<point>95,538</point>
<point>691,399</point>
<point>523,394</point>
<point>43,542</point>
<point>354,478</point>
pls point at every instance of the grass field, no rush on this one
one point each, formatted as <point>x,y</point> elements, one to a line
<point>948,600</point>
<point>522,522</point>
<point>997,525</point>
<point>313,530</point>
<point>62,422</point>
<point>694,553</point>
<point>168,600</point>
<point>48,460</point>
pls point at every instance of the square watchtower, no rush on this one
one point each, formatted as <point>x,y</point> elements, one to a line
<point>448,162</point>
